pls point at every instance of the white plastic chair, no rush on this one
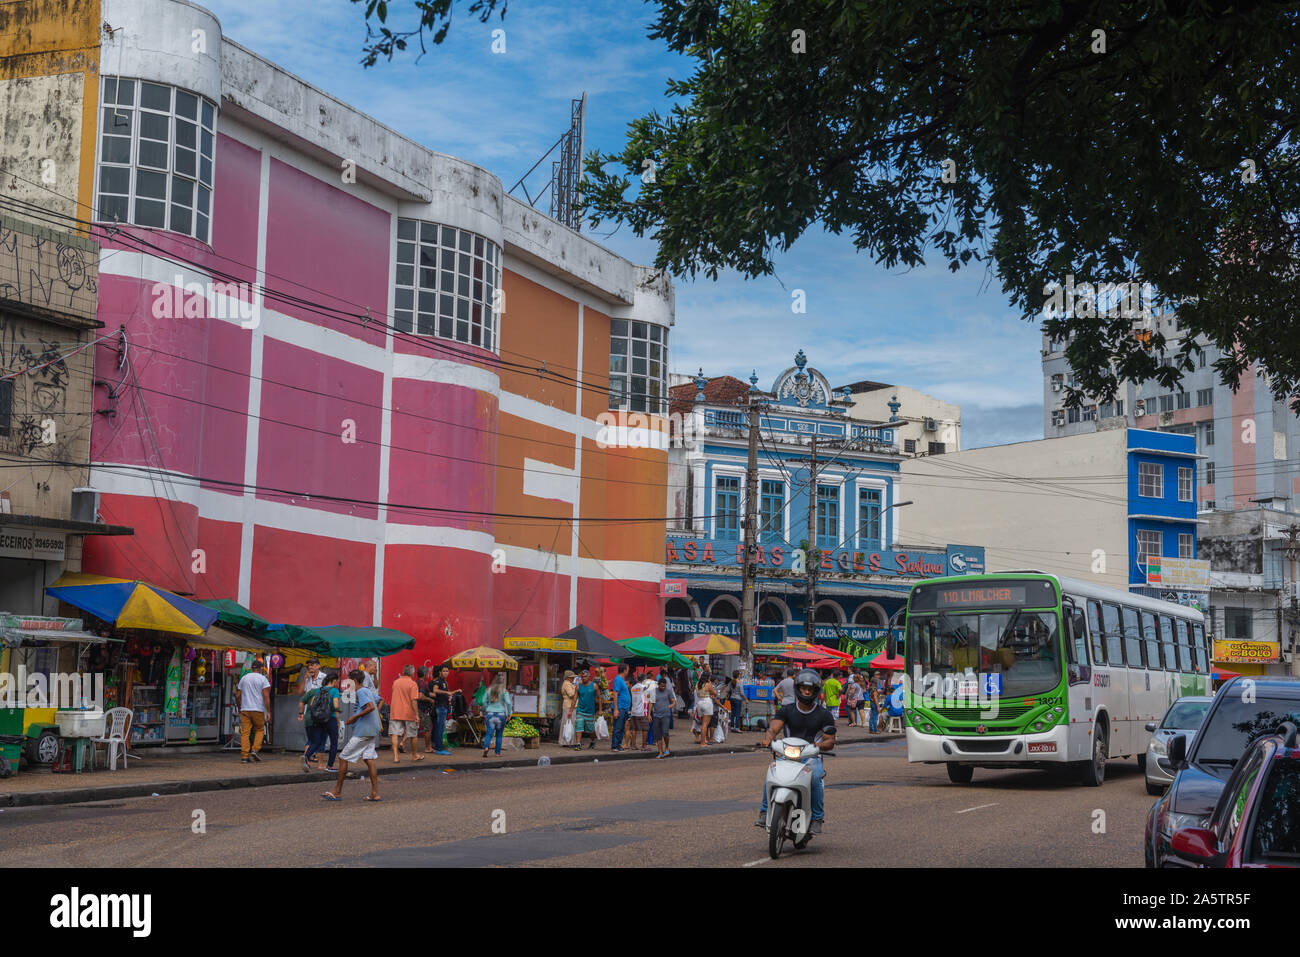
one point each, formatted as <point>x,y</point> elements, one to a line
<point>894,725</point>
<point>116,735</point>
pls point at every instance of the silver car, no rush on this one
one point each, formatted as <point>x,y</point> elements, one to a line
<point>1183,717</point>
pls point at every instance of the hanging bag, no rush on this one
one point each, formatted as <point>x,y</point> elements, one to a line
<point>566,732</point>
<point>602,729</point>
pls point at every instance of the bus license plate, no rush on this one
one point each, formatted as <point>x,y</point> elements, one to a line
<point>1042,747</point>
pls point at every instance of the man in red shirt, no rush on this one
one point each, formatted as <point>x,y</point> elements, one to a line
<point>404,715</point>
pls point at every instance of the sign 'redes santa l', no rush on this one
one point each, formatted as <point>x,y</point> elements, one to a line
<point>899,564</point>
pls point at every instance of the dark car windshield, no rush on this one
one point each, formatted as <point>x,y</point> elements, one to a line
<point>1236,722</point>
<point>1277,824</point>
<point>1185,715</point>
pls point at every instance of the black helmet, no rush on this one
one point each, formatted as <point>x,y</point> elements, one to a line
<point>803,682</point>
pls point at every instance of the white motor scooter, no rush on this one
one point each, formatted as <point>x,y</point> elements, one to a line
<point>789,794</point>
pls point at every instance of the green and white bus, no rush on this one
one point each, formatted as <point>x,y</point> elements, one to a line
<point>1026,669</point>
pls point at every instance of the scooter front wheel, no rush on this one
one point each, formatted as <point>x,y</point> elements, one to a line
<point>776,830</point>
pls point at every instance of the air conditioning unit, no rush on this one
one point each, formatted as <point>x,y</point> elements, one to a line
<point>85,505</point>
<point>931,425</point>
<point>1139,407</point>
<point>1166,418</point>
<point>1056,385</point>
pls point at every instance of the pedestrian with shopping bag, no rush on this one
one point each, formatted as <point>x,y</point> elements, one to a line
<point>568,709</point>
<point>590,707</point>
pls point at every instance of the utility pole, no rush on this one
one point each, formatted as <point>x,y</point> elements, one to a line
<point>811,564</point>
<point>749,568</point>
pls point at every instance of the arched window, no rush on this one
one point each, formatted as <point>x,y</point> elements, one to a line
<point>678,608</point>
<point>770,613</point>
<point>869,614</point>
<point>725,608</point>
<point>827,613</point>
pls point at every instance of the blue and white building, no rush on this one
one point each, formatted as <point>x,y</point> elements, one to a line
<point>866,568</point>
<point>1104,506</point>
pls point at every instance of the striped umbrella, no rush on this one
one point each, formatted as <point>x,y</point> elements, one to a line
<point>132,604</point>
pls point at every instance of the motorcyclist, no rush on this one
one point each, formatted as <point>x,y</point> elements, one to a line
<point>804,717</point>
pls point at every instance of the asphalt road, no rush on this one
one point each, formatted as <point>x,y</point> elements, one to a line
<point>682,812</point>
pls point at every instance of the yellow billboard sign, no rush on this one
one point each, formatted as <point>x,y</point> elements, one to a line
<point>541,644</point>
<point>1245,652</point>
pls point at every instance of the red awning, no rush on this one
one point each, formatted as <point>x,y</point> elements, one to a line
<point>824,652</point>
<point>883,661</point>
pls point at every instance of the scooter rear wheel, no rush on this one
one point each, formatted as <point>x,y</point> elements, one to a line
<point>776,830</point>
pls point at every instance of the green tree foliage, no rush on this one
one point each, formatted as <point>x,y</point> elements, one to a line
<point>1108,141</point>
<point>434,19</point>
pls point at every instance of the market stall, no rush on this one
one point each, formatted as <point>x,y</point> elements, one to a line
<point>167,684</point>
<point>480,659</point>
<point>49,666</point>
<point>536,688</point>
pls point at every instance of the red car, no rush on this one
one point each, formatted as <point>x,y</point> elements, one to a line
<point>1256,822</point>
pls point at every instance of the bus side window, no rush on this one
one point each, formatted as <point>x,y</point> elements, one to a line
<point>1202,656</point>
<point>1098,633</point>
<point>1132,639</point>
<point>1114,636</point>
<point>1184,647</point>
<point>1076,641</point>
<point>1150,640</point>
<point>1167,626</point>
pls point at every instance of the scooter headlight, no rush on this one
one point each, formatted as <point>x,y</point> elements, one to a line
<point>793,752</point>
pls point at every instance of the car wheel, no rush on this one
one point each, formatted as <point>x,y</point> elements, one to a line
<point>1155,790</point>
<point>1094,771</point>
<point>44,748</point>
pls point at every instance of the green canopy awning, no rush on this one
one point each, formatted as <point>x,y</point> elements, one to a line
<point>652,649</point>
<point>341,641</point>
<point>233,613</point>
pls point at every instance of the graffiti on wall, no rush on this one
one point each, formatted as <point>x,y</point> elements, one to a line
<point>41,272</point>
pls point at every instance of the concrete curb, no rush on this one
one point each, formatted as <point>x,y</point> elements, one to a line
<point>145,789</point>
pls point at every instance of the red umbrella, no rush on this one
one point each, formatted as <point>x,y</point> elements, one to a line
<point>823,651</point>
<point>882,660</point>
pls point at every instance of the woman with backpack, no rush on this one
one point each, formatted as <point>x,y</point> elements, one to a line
<point>319,710</point>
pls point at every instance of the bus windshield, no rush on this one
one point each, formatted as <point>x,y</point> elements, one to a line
<point>1022,647</point>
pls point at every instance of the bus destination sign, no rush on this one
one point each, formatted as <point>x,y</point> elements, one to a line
<point>980,595</point>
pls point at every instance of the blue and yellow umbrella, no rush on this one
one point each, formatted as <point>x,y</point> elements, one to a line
<point>132,604</point>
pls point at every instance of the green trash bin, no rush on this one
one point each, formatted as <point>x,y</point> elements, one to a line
<point>12,740</point>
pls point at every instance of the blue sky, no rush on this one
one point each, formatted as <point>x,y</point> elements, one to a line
<point>951,335</point>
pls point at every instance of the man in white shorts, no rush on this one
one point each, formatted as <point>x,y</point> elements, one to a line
<point>361,745</point>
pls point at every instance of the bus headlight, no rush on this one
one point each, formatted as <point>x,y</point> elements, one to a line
<point>928,728</point>
<point>1038,726</point>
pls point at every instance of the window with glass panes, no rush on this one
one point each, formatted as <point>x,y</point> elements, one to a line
<point>1151,480</point>
<point>1186,545</point>
<point>155,157</point>
<point>1148,546</point>
<point>828,516</point>
<point>638,366</point>
<point>726,512</point>
<point>869,516</point>
<point>446,281</point>
<point>771,512</point>
<point>1186,484</point>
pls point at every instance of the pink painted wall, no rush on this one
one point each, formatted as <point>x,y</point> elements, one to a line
<point>307,399</point>
<point>327,246</point>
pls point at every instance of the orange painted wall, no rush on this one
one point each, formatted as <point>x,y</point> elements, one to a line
<point>51,37</point>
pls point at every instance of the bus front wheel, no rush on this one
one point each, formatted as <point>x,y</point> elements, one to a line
<point>960,773</point>
<point>1094,771</point>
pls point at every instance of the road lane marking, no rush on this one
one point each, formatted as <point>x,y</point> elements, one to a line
<point>978,807</point>
<point>761,860</point>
